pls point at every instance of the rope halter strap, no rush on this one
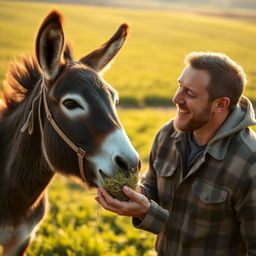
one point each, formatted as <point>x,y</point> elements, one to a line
<point>29,124</point>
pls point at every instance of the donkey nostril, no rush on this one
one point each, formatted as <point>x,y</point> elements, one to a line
<point>121,163</point>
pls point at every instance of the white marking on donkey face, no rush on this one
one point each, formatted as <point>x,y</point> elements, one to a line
<point>81,109</point>
<point>117,144</point>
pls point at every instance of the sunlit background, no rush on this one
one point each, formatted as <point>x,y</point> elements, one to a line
<point>145,74</point>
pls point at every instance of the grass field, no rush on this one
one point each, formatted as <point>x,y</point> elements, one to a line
<point>76,226</point>
<point>146,71</point>
<point>144,74</point>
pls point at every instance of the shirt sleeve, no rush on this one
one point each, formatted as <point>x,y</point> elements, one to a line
<point>154,220</point>
<point>156,216</point>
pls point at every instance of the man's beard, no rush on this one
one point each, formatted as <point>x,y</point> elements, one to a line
<point>195,123</point>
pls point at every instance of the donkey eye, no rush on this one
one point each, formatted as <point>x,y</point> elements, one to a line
<point>71,104</point>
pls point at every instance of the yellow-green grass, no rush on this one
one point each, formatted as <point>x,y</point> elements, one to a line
<point>146,70</point>
<point>76,226</point>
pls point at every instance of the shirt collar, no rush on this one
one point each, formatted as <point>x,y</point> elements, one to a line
<point>217,150</point>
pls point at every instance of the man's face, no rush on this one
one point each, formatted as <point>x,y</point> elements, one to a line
<point>192,100</point>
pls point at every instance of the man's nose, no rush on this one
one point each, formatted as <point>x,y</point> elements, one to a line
<point>177,98</point>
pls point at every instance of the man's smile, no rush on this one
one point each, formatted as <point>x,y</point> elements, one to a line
<point>183,112</point>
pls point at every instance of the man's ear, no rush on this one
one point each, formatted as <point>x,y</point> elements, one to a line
<point>221,105</point>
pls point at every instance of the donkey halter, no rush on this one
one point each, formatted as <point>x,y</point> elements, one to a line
<point>29,124</point>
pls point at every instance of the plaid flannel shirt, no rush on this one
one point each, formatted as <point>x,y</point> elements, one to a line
<point>212,211</point>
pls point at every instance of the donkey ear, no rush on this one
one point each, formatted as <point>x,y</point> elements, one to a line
<point>101,57</point>
<point>50,44</point>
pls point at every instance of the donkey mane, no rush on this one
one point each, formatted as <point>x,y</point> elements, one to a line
<point>20,81</point>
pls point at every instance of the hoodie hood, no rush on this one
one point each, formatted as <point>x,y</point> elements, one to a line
<point>242,116</point>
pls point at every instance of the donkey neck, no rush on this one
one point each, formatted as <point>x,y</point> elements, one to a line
<point>24,174</point>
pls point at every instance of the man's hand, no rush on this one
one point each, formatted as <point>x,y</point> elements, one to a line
<point>137,206</point>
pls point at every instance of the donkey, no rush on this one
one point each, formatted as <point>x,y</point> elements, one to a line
<point>59,117</point>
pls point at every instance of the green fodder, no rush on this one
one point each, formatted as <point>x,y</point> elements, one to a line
<point>114,185</point>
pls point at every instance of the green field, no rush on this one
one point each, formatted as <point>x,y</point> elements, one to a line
<point>144,74</point>
<point>146,71</point>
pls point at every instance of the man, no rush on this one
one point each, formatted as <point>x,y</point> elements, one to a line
<point>199,194</point>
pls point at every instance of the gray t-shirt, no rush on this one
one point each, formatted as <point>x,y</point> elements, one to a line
<point>193,152</point>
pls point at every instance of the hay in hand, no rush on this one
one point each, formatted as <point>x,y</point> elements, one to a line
<point>114,185</point>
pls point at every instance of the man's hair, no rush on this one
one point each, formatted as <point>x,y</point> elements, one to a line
<point>227,78</point>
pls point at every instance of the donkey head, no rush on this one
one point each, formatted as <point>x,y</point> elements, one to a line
<point>83,105</point>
